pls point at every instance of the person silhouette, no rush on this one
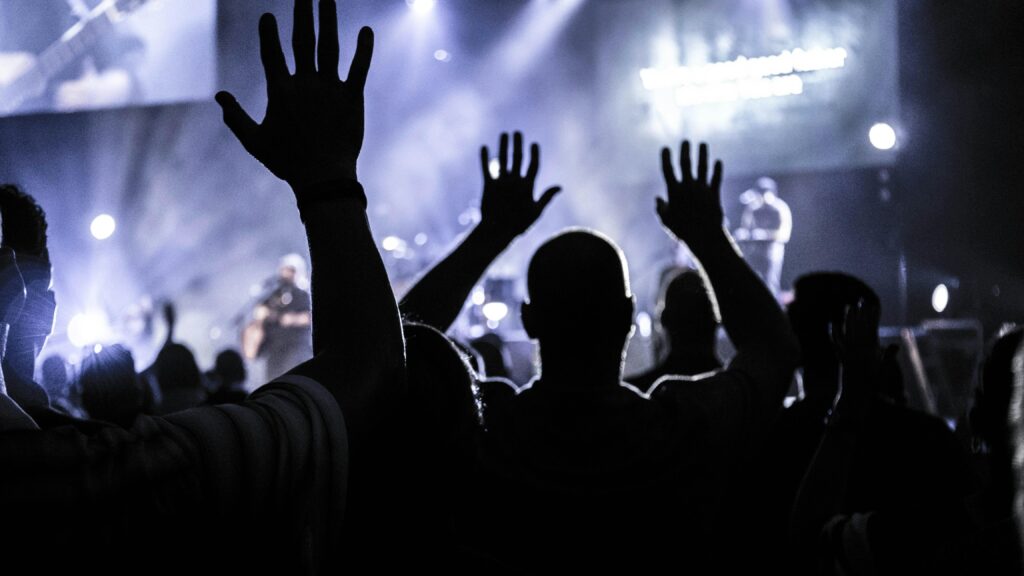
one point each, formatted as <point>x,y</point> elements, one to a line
<point>887,485</point>
<point>689,330</point>
<point>286,481</point>
<point>583,456</point>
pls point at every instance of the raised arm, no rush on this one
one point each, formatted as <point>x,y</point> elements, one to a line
<point>767,350</point>
<point>507,209</point>
<point>693,214</point>
<point>823,491</point>
<point>311,137</point>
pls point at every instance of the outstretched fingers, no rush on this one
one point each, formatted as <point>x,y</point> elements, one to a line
<point>702,163</point>
<point>274,65</point>
<point>517,153</point>
<point>716,179</point>
<point>666,168</point>
<point>238,121</point>
<point>547,197</point>
<point>328,51</point>
<point>485,163</point>
<point>304,37</point>
<point>534,166</point>
<point>503,154</point>
<point>684,162</point>
<point>360,67</point>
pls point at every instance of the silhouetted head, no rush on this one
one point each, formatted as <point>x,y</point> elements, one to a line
<point>687,312</point>
<point>55,376</point>
<point>24,231</point>
<point>446,411</point>
<point>579,299</point>
<point>990,415</point>
<point>820,300</point>
<point>110,387</point>
<point>493,354</point>
<point>176,368</point>
<point>230,369</point>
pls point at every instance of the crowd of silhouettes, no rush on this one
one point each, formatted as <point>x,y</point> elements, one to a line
<point>398,447</point>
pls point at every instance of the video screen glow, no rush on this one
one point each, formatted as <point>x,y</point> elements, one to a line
<point>68,55</point>
<point>780,84</point>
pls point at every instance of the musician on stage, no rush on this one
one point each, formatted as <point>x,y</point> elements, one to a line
<point>765,228</point>
<point>281,327</point>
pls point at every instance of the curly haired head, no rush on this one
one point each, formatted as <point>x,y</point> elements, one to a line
<point>24,222</point>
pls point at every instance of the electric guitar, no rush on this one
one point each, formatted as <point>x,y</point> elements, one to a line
<point>23,76</point>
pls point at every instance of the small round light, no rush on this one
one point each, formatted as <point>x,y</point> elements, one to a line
<point>102,226</point>
<point>882,136</point>
<point>442,55</point>
<point>940,298</point>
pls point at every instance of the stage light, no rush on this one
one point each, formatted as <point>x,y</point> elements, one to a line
<point>644,324</point>
<point>421,6</point>
<point>87,329</point>
<point>391,243</point>
<point>940,298</point>
<point>442,55</point>
<point>102,226</point>
<point>479,297</point>
<point>882,136</point>
<point>494,167</point>
<point>495,312</point>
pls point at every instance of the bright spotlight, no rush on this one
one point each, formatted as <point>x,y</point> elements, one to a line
<point>940,298</point>
<point>391,243</point>
<point>495,312</point>
<point>882,136</point>
<point>102,226</point>
<point>442,55</point>
<point>421,6</point>
<point>87,329</point>
<point>494,167</point>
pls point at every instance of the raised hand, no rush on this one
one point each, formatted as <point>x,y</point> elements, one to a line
<point>508,206</point>
<point>855,336</point>
<point>855,339</point>
<point>693,211</point>
<point>313,128</point>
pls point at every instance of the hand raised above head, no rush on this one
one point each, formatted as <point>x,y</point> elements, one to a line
<point>693,210</point>
<point>313,128</point>
<point>508,206</point>
<point>855,335</point>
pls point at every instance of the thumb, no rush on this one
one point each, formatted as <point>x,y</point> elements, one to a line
<point>547,197</point>
<point>661,207</point>
<point>238,121</point>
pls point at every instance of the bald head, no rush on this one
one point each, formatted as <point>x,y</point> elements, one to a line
<point>577,268</point>
<point>579,288</point>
